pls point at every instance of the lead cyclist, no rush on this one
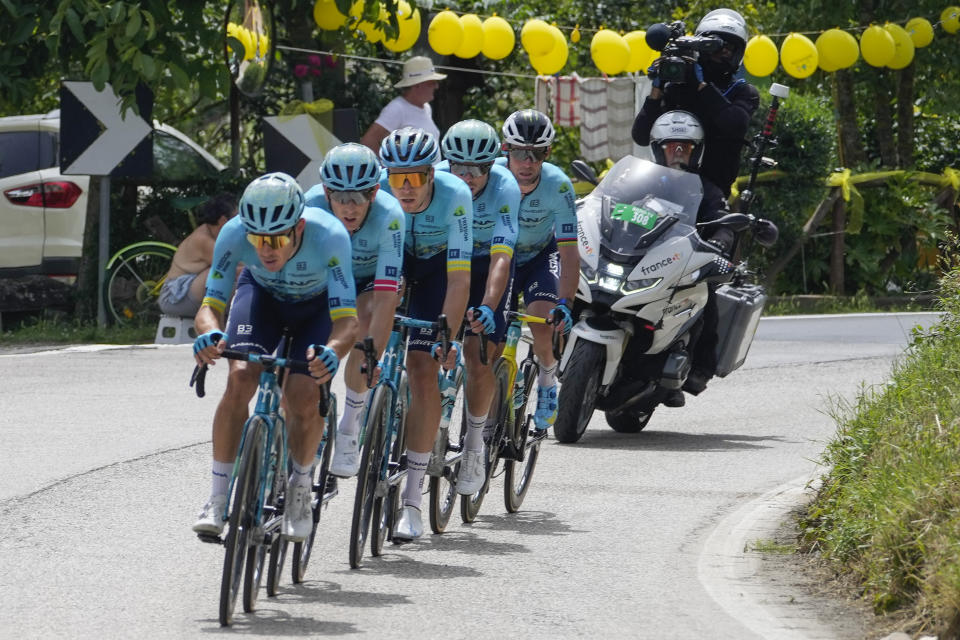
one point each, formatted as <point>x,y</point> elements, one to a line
<point>297,276</point>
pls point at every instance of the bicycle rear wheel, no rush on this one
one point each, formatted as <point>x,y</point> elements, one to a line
<point>368,475</point>
<point>518,474</point>
<point>272,518</point>
<point>302,550</point>
<point>132,283</point>
<point>385,508</point>
<point>242,519</point>
<point>470,505</point>
<point>443,489</point>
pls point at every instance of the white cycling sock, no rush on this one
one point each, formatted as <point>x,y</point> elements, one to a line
<point>416,470</point>
<point>301,475</point>
<point>352,412</point>
<point>547,376</point>
<point>474,439</point>
<point>221,478</point>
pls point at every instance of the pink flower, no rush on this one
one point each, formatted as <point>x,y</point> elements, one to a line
<point>315,60</point>
<point>315,71</point>
<point>301,70</point>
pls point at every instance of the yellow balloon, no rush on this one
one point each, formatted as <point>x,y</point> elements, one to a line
<point>877,46</point>
<point>575,35</point>
<point>903,54</point>
<point>367,28</point>
<point>472,41</point>
<point>921,31</point>
<point>761,56</point>
<point>950,19</point>
<point>445,33</point>
<point>639,51</point>
<point>327,16</point>
<point>409,23</point>
<point>557,57</point>
<point>837,50</point>
<point>610,52</point>
<point>536,38</point>
<point>498,38</point>
<point>798,55</point>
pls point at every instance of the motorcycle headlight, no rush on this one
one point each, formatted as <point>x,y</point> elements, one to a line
<point>632,286</point>
<point>610,283</point>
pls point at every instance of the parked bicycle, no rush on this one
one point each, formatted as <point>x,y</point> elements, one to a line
<point>258,485</point>
<point>382,463</point>
<point>513,440</point>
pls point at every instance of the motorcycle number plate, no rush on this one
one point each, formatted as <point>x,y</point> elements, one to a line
<point>640,216</point>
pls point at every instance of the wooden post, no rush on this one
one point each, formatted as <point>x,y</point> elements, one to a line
<point>838,250</point>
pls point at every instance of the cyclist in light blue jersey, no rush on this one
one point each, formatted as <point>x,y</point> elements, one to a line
<point>470,148</point>
<point>350,188</point>
<point>548,262</point>
<point>439,242</point>
<point>297,276</point>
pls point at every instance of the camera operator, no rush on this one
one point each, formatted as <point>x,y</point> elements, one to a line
<point>698,74</point>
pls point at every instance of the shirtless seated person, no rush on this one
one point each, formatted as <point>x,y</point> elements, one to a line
<point>185,283</point>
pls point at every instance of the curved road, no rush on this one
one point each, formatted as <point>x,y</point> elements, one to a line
<point>104,461</point>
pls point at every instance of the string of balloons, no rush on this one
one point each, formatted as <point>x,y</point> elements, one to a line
<point>467,36</point>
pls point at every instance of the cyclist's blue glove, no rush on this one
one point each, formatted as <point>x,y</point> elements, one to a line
<point>208,339</point>
<point>328,357</point>
<point>560,314</point>
<point>436,350</point>
<point>484,315</point>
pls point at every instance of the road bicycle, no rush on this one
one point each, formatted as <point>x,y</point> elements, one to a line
<point>514,439</point>
<point>254,511</point>
<point>133,279</point>
<point>382,436</point>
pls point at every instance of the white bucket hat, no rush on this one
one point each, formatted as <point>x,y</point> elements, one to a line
<point>416,70</point>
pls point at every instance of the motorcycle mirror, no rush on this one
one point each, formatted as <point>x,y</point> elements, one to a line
<point>779,90</point>
<point>584,172</point>
<point>765,233</point>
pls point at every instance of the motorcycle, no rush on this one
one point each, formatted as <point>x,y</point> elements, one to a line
<point>645,274</point>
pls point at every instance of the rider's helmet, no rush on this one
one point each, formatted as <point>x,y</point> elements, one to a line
<point>677,126</point>
<point>471,142</point>
<point>409,147</point>
<point>350,167</point>
<point>271,203</point>
<point>730,26</point>
<point>528,128</point>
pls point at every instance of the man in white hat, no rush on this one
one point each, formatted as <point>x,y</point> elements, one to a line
<point>412,107</point>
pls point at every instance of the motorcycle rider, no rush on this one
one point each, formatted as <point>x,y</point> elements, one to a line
<point>677,140</point>
<point>720,100</point>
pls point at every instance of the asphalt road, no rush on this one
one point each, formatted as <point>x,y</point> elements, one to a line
<point>104,462</point>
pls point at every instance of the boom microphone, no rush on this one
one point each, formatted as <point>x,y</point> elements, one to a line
<point>657,36</point>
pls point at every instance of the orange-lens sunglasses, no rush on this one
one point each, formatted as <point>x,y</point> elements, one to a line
<point>417,179</point>
<point>278,241</point>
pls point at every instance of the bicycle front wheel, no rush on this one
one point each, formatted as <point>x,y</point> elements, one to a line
<point>518,474</point>
<point>243,514</point>
<point>273,518</point>
<point>132,283</point>
<point>496,422</point>
<point>369,474</point>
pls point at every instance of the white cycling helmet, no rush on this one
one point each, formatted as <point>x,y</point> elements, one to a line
<point>271,203</point>
<point>677,126</point>
<point>409,147</point>
<point>528,128</point>
<point>471,142</point>
<point>350,167</point>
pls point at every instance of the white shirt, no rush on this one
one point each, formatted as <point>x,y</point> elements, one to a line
<point>400,113</point>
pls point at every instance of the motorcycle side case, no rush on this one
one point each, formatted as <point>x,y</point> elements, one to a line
<point>739,311</point>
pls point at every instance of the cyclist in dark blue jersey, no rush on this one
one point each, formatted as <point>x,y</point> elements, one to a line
<point>548,262</point>
<point>297,275</point>
<point>350,188</point>
<point>438,244</point>
<point>470,148</point>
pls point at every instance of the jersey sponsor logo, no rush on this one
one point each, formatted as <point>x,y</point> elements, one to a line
<point>224,261</point>
<point>333,262</point>
<point>301,266</point>
<point>430,218</point>
<point>564,188</point>
<point>462,227</point>
<point>535,203</point>
<point>394,225</point>
<point>363,242</point>
<point>459,211</point>
<point>216,275</point>
<point>397,241</point>
<point>554,262</point>
<point>334,302</point>
<point>453,254</point>
<point>497,240</point>
<point>391,272</point>
<point>339,277</point>
<point>479,206</point>
<point>244,329</point>
<point>505,209</point>
<point>566,228</point>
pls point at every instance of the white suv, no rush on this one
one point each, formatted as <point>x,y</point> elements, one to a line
<point>42,213</point>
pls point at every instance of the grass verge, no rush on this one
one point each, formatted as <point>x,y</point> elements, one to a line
<point>48,329</point>
<point>889,509</point>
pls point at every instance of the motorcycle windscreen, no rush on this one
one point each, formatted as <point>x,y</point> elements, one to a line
<point>640,200</point>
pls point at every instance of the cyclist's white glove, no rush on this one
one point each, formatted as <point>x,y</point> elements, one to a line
<point>208,339</point>
<point>328,357</point>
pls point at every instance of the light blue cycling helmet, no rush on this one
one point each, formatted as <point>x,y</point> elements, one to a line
<point>350,167</point>
<point>409,147</point>
<point>471,141</point>
<point>271,203</point>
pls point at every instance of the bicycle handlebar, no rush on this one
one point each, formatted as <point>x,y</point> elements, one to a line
<point>556,339</point>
